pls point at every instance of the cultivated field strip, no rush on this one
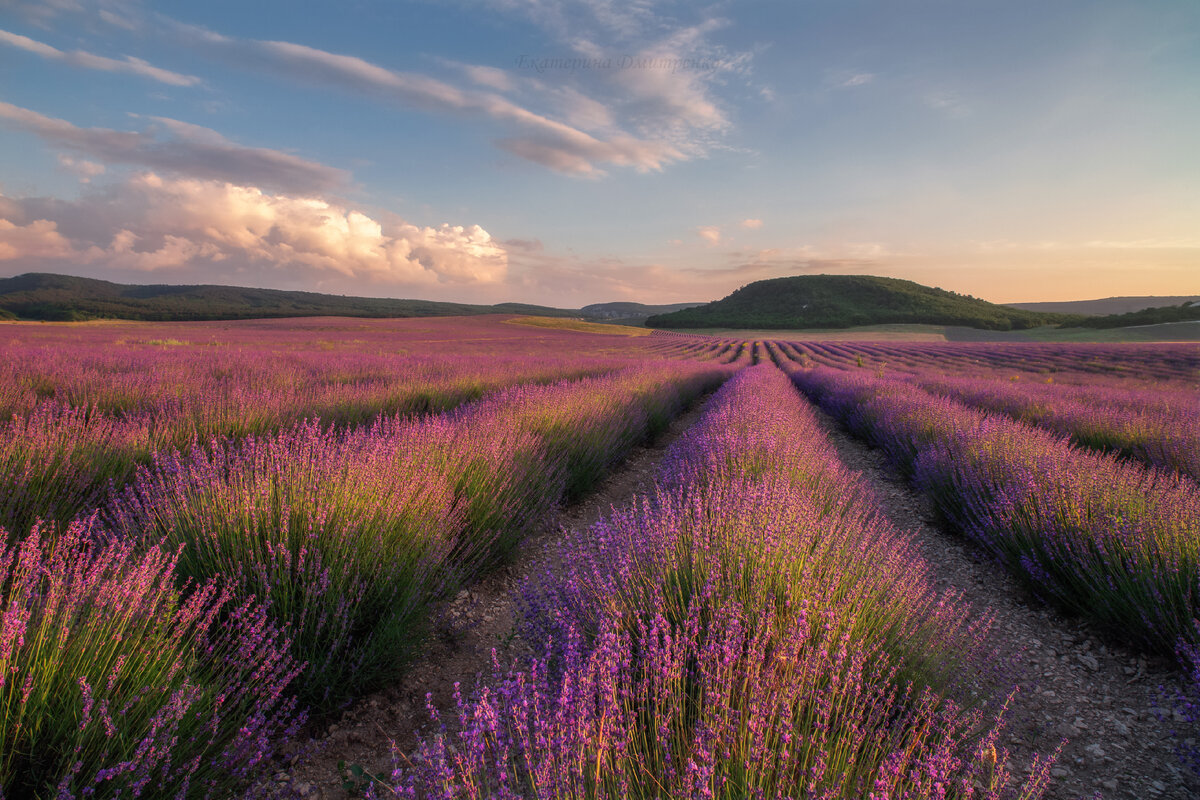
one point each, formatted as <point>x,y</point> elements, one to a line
<point>57,459</point>
<point>221,535</point>
<point>1118,400</point>
<point>78,422</point>
<point>753,628</point>
<point>1112,541</point>
<point>1101,702</point>
<point>1172,363</point>
<point>289,567</point>
<point>1158,426</point>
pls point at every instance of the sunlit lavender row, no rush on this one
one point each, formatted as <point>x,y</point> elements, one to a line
<point>754,628</point>
<point>80,420</point>
<point>171,645</point>
<point>1160,363</point>
<point>1114,541</point>
<point>1158,426</point>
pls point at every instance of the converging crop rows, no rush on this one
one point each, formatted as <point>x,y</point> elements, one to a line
<point>219,536</point>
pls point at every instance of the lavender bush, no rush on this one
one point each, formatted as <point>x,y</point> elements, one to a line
<point>115,683</point>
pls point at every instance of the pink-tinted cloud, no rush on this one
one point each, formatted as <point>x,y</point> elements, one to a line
<point>711,234</point>
<point>86,170</point>
<point>751,224</point>
<point>179,148</point>
<point>203,230</point>
<point>85,60</point>
<point>35,240</point>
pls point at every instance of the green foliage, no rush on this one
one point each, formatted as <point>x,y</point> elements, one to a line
<point>64,298</point>
<point>356,780</point>
<point>844,301</point>
<point>1185,312</point>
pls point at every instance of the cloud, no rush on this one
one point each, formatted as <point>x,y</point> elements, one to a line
<point>38,239</point>
<point>711,234</point>
<point>41,12</point>
<point>948,102</point>
<point>85,60</point>
<point>751,224</point>
<point>491,77</point>
<point>539,138</point>
<point>583,112</point>
<point>856,79</point>
<point>206,230</point>
<point>666,85</point>
<point>180,148</point>
<point>86,170</point>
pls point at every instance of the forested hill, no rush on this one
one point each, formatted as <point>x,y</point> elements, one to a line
<point>43,296</point>
<point>843,301</point>
<point>1184,312</point>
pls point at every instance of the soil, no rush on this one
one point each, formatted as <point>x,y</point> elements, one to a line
<point>1074,686</point>
<point>479,619</point>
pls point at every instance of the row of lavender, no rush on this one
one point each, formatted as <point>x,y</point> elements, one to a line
<point>1156,423</point>
<point>257,375</point>
<point>1158,426</point>
<point>753,628</point>
<point>1157,362</point>
<point>1114,541</point>
<point>58,458</point>
<point>164,646</point>
<point>81,422</point>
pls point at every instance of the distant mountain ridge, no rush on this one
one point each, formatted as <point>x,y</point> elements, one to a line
<point>1159,315</point>
<point>813,301</point>
<point>45,296</point>
<point>630,312</point>
<point>1106,305</point>
<point>844,301</point>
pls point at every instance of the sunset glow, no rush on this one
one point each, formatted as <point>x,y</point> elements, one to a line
<point>567,153</point>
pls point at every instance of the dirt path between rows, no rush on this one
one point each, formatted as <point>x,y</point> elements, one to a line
<point>480,618</point>
<point>1071,683</point>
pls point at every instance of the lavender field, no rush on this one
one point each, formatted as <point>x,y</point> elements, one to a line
<point>221,537</point>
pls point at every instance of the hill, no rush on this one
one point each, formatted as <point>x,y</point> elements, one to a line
<point>43,296</point>
<point>629,313</point>
<point>1184,312</point>
<point>1105,306</point>
<point>844,301</point>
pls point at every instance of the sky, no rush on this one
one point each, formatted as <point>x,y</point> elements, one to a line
<point>565,153</point>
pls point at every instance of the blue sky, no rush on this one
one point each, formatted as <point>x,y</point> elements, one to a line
<point>576,152</point>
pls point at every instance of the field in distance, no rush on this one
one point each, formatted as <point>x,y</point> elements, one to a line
<point>1166,332</point>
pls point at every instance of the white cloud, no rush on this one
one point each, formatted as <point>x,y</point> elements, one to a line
<point>666,85</point>
<point>857,79</point>
<point>205,230</point>
<point>751,224</point>
<point>86,170</point>
<point>180,148</point>
<point>85,60</point>
<point>711,234</point>
<point>540,138</point>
